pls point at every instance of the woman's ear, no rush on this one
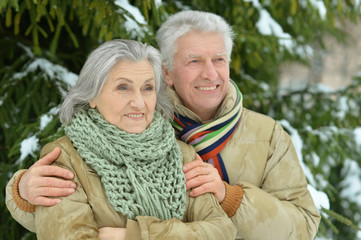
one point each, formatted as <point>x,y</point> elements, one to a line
<point>167,76</point>
<point>92,104</point>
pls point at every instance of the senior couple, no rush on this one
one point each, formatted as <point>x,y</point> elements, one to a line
<point>119,168</point>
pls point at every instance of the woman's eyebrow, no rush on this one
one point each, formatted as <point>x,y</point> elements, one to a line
<point>125,79</point>
<point>131,81</point>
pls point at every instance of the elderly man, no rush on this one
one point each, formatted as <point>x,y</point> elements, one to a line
<point>249,161</point>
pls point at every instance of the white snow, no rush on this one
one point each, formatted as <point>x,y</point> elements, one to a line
<point>342,107</point>
<point>2,98</point>
<point>46,118</point>
<point>357,133</point>
<point>44,121</point>
<point>320,198</point>
<point>28,147</point>
<point>266,25</point>
<point>320,7</point>
<point>351,183</point>
<point>158,3</point>
<point>51,70</point>
<point>27,50</point>
<point>132,26</point>
<point>321,88</point>
<point>305,51</point>
<point>318,4</point>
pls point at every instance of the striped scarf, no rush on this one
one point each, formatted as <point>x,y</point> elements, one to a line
<point>209,139</point>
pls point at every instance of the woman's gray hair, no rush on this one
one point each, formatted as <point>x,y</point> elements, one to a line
<point>183,22</point>
<point>97,67</point>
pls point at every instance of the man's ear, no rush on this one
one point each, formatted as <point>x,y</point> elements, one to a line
<point>167,76</point>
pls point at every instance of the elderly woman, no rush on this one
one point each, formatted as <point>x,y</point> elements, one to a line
<point>126,160</point>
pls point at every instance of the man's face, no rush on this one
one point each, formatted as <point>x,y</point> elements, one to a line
<point>200,73</point>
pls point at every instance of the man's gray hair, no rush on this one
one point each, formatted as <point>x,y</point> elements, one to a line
<point>183,22</point>
<point>97,67</point>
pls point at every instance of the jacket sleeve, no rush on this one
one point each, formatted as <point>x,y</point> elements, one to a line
<point>282,207</point>
<point>26,219</point>
<point>72,218</point>
<point>204,219</point>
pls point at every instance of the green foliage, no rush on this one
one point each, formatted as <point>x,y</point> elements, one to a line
<point>326,123</point>
<point>43,44</point>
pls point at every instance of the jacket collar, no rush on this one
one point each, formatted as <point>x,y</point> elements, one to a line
<point>225,107</point>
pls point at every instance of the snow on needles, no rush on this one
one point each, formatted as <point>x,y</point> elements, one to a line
<point>132,26</point>
<point>52,70</point>
<point>45,119</point>
<point>28,147</point>
<point>266,25</point>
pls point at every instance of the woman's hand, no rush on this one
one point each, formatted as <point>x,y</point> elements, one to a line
<point>109,233</point>
<point>42,182</point>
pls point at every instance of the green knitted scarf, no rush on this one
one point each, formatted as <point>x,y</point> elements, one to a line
<point>141,173</point>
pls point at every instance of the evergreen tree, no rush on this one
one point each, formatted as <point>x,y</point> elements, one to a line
<point>43,45</point>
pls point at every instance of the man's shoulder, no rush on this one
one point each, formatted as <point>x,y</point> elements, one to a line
<point>256,126</point>
<point>188,152</point>
<point>256,117</point>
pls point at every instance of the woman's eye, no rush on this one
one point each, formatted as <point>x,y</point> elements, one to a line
<point>149,88</point>
<point>122,87</point>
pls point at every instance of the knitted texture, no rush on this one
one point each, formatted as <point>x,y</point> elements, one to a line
<point>232,200</point>
<point>141,173</point>
<point>19,201</point>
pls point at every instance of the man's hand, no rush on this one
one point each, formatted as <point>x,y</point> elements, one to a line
<point>202,177</point>
<point>109,233</point>
<point>42,181</point>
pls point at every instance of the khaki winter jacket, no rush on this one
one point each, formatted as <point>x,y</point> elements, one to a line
<point>261,158</point>
<point>80,215</point>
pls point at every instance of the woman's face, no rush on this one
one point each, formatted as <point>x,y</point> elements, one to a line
<point>127,99</point>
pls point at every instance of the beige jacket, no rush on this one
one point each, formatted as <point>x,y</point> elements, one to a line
<point>80,215</point>
<point>261,158</point>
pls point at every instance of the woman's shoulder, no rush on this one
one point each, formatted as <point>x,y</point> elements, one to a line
<point>69,157</point>
<point>63,143</point>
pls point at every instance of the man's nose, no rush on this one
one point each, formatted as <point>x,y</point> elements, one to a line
<point>209,72</point>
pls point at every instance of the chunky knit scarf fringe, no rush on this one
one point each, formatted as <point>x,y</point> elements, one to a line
<point>141,173</point>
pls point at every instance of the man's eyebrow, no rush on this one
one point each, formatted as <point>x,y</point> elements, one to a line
<point>193,56</point>
<point>198,55</point>
<point>221,54</point>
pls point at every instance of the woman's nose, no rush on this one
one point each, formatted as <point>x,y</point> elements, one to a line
<point>137,101</point>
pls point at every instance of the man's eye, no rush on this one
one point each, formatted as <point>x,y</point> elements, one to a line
<point>193,61</point>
